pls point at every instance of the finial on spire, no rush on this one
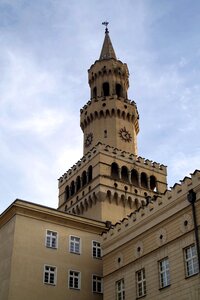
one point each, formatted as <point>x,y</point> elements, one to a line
<point>107,50</point>
<point>106,24</point>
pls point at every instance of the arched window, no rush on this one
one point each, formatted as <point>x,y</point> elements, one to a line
<point>66,192</point>
<point>114,171</point>
<point>153,183</point>
<point>84,178</point>
<point>89,173</point>
<point>119,90</point>
<point>124,173</point>
<point>72,188</point>
<point>108,194</point>
<point>94,92</point>
<point>144,181</point>
<point>134,177</point>
<point>106,89</point>
<point>78,183</point>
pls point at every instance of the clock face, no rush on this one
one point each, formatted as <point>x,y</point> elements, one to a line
<point>125,135</point>
<point>88,139</point>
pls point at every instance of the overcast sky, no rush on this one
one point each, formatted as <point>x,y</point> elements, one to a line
<point>46,48</point>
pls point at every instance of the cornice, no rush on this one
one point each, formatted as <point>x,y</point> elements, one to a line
<point>47,214</point>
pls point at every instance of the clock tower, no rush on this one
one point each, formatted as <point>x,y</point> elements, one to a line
<point>109,117</point>
<point>110,180</point>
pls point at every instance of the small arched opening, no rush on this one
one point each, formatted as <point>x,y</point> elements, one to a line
<point>134,177</point>
<point>106,89</point>
<point>89,173</point>
<point>78,183</point>
<point>124,173</point>
<point>153,183</point>
<point>94,94</point>
<point>144,181</point>
<point>114,171</point>
<point>84,178</point>
<point>72,188</point>
<point>108,194</point>
<point>119,90</point>
<point>66,192</point>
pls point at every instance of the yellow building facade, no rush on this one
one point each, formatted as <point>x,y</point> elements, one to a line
<point>152,253</point>
<point>47,254</point>
<point>118,233</point>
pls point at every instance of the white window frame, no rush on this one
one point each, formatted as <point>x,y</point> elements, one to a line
<point>96,248</point>
<point>191,260</point>
<point>164,274</point>
<point>141,283</point>
<point>96,279</point>
<point>74,242</point>
<point>50,272</point>
<point>120,289</point>
<point>50,238</point>
<point>73,276</point>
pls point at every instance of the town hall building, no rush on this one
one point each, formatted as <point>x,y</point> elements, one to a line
<point>118,232</point>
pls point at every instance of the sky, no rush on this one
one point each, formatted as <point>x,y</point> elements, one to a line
<point>46,48</point>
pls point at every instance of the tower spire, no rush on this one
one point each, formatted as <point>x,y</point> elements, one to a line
<point>107,50</point>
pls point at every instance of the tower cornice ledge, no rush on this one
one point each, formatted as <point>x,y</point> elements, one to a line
<point>115,153</point>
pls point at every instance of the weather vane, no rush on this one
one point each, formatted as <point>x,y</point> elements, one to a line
<point>106,24</point>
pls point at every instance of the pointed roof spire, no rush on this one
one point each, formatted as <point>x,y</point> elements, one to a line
<point>107,50</point>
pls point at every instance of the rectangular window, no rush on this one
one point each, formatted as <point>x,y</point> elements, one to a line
<point>74,280</point>
<point>191,261</point>
<point>96,249</point>
<point>120,290</point>
<point>97,284</point>
<point>49,275</point>
<point>51,239</point>
<point>75,243</point>
<point>141,283</point>
<point>164,272</point>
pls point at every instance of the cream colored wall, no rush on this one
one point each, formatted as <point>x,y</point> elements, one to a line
<point>176,237</point>
<point>6,251</point>
<point>113,212</point>
<point>180,288</point>
<point>111,124</point>
<point>30,255</point>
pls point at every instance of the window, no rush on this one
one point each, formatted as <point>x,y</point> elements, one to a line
<point>191,262</point>
<point>74,280</point>
<point>51,239</point>
<point>144,180</point>
<point>97,284</point>
<point>95,92</point>
<point>119,90</point>
<point>120,291</point>
<point>75,244</point>
<point>164,272</point>
<point>106,89</point>
<point>49,275</point>
<point>96,249</point>
<point>124,173</point>
<point>141,283</point>
<point>114,171</point>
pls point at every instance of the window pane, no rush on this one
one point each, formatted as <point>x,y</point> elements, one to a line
<point>191,261</point>
<point>141,283</point>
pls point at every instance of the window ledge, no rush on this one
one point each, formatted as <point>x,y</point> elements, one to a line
<point>189,276</point>
<point>164,287</point>
<point>140,297</point>
<point>49,247</point>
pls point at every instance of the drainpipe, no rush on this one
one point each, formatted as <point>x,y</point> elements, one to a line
<point>191,196</point>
